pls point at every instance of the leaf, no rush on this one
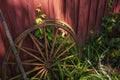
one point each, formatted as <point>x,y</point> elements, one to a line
<point>38,10</point>
<point>63,35</point>
<point>39,33</point>
<point>40,30</point>
<point>48,30</point>
<point>68,41</point>
<point>43,16</point>
<point>38,20</point>
<point>59,40</point>
<point>113,20</point>
<point>50,37</point>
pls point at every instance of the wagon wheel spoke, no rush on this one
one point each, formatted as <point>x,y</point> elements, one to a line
<point>26,63</point>
<point>27,73</point>
<point>67,57</point>
<point>37,40</point>
<point>35,69</point>
<point>45,42</point>
<point>32,50</point>
<point>31,54</point>
<point>45,74</point>
<point>42,74</point>
<point>38,73</point>
<point>20,41</point>
<point>56,52</point>
<point>68,48</point>
<point>36,44</point>
<point>29,61</point>
<point>33,64</point>
<point>53,43</point>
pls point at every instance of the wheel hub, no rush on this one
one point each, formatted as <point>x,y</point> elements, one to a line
<point>49,64</point>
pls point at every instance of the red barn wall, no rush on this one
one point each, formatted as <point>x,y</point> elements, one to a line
<point>82,15</point>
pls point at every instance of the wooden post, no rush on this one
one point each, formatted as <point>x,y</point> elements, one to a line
<point>12,45</point>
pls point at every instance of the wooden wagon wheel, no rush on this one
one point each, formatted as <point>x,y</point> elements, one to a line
<point>40,48</point>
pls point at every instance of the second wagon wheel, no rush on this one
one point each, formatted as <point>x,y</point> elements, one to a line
<point>41,48</point>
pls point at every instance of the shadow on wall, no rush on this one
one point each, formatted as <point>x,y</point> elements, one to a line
<point>70,11</point>
<point>19,15</point>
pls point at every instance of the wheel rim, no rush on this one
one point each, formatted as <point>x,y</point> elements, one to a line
<point>40,56</point>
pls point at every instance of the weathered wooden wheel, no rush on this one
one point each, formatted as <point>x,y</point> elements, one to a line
<point>40,48</point>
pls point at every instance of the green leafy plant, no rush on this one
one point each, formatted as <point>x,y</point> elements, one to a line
<point>103,50</point>
<point>53,33</point>
<point>100,55</point>
<point>111,30</point>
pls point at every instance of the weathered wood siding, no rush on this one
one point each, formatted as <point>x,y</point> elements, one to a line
<point>82,15</point>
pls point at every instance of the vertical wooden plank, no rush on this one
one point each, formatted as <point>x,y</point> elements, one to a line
<point>15,18</point>
<point>57,10</point>
<point>76,13</point>
<point>69,15</point>
<point>30,10</point>
<point>3,34</point>
<point>72,8</point>
<point>92,19</point>
<point>87,27</point>
<point>19,8</point>
<point>114,4</point>
<point>63,9</point>
<point>2,49</point>
<point>11,17</point>
<point>58,7</point>
<point>31,6</point>
<point>52,8</point>
<point>100,13</point>
<point>45,7</point>
<point>2,52</point>
<point>83,20</point>
<point>106,11</point>
<point>117,8</point>
<point>24,14</point>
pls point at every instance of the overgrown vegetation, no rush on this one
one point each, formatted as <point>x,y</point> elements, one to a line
<point>101,55</point>
<point>104,50</point>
